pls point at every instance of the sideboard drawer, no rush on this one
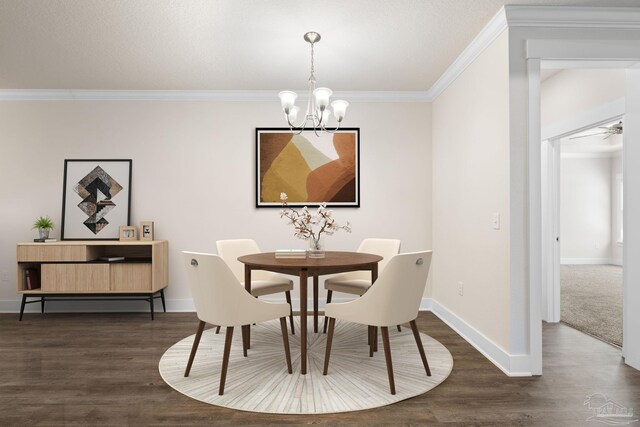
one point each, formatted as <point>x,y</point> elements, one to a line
<point>80,278</point>
<point>130,277</point>
<point>45,252</point>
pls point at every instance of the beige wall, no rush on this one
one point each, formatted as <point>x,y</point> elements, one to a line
<point>194,173</point>
<point>470,184</point>
<point>570,92</point>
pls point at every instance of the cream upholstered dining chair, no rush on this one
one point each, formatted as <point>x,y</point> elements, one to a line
<point>262,282</point>
<point>394,299</point>
<point>358,282</point>
<point>220,300</point>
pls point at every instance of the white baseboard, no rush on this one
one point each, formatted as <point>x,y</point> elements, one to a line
<point>634,363</point>
<point>590,261</point>
<point>512,365</point>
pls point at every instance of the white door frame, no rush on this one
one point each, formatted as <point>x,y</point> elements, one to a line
<point>550,193</point>
<point>569,50</point>
<point>550,295</point>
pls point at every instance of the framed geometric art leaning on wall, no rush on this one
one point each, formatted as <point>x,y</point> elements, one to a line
<point>310,168</point>
<point>96,198</point>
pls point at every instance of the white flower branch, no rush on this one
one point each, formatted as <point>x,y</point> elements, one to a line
<point>303,222</point>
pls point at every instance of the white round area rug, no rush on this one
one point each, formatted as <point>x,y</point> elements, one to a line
<point>260,382</point>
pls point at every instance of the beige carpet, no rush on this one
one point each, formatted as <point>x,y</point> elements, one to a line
<point>260,382</point>
<point>591,300</point>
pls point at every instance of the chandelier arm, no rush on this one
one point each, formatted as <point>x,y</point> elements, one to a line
<point>334,130</point>
<point>297,130</point>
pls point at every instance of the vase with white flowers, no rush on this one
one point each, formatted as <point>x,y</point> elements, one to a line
<point>311,226</point>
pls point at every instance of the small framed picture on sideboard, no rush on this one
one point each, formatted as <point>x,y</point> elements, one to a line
<point>146,230</point>
<point>128,233</point>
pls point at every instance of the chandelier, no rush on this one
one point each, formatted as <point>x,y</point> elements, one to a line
<point>317,115</point>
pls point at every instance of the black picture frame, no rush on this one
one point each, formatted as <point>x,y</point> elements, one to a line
<point>340,184</point>
<point>96,198</point>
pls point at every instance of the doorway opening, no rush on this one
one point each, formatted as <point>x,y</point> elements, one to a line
<point>590,231</point>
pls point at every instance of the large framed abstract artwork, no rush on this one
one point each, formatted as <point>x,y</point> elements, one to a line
<point>96,199</point>
<point>310,168</point>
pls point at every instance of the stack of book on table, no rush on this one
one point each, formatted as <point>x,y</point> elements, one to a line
<point>47,240</point>
<point>291,253</point>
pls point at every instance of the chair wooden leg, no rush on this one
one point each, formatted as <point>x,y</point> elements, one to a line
<point>399,328</point>
<point>225,358</point>
<point>327,354</point>
<point>315,304</point>
<point>217,329</point>
<point>416,335</point>
<point>375,339</point>
<point>194,347</point>
<point>324,327</point>
<point>288,296</point>
<point>370,341</point>
<point>387,356</point>
<point>244,339</point>
<point>285,339</point>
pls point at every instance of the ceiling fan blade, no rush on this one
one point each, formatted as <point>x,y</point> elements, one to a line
<point>592,134</point>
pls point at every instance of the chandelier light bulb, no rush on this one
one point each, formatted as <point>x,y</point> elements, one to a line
<point>293,114</point>
<point>339,109</point>
<point>325,116</point>
<point>322,95</point>
<point>288,99</point>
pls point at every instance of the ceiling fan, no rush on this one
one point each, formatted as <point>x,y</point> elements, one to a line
<point>614,129</point>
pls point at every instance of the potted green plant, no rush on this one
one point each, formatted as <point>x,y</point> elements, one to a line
<point>44,224</point>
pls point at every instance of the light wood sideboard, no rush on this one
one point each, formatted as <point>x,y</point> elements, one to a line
<point>78,270</point>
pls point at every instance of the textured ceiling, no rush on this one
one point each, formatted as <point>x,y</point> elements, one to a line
<point>239,44</point>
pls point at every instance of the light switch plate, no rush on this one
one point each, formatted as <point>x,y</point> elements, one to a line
<point>495,222</point>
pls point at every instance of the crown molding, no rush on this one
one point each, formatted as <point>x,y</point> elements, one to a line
<point>489,33</point>
<point>384,96</point>
<point>197,95</point>
<point>573,17</point>
<point>134,95</point>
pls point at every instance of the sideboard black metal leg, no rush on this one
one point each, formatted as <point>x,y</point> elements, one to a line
<point>151,305</point>
<point>24,301</point>
<point>164,307</point>
<point>42,304</point>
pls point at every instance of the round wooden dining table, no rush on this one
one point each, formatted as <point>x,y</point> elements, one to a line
<point>332,263</point>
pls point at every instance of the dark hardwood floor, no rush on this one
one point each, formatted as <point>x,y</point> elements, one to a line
<point>102,369</point>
